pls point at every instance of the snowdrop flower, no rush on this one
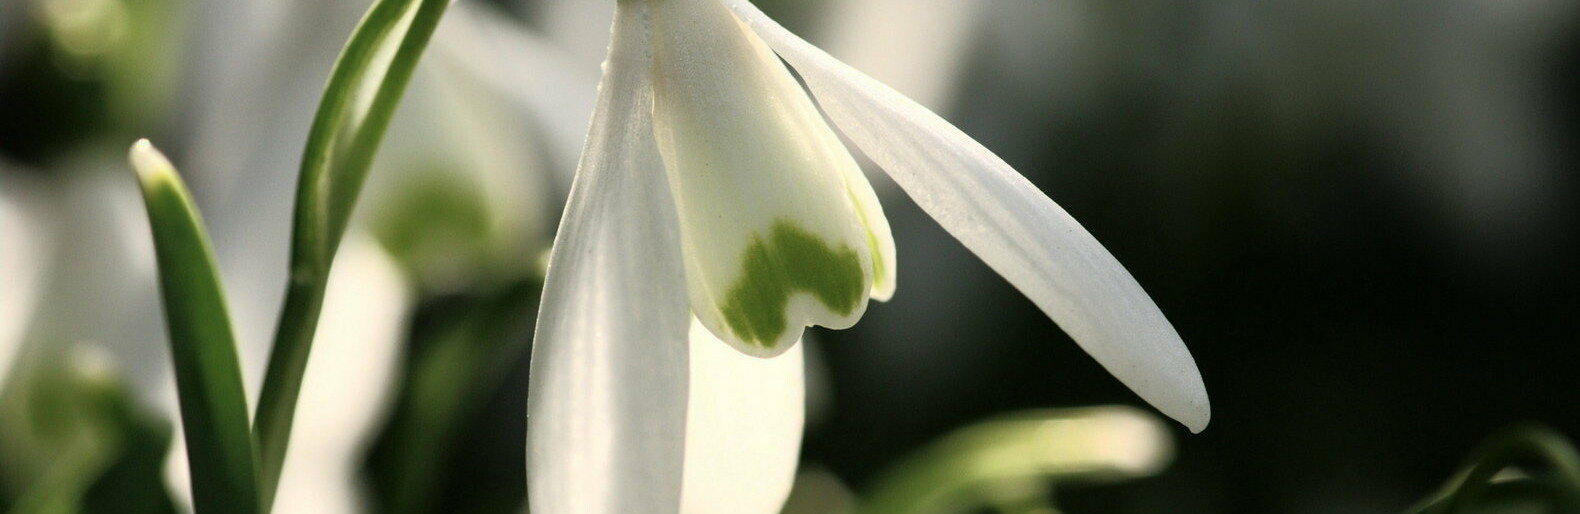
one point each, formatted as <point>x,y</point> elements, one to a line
<point>711,189</point>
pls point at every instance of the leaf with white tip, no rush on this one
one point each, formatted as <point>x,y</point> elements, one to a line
<point>1015,228</point>
<point>208,375</point>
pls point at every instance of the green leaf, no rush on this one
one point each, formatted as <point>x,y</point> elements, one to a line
<point>366,85</point>
<point>208,376</point>
<point>1550,479</point>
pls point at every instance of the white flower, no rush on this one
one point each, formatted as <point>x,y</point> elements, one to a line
<point>711,189</point>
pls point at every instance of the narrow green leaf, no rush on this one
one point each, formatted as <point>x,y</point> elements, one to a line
<point>208,376</point>
<point>1551,475</point>
<point>365,87</point>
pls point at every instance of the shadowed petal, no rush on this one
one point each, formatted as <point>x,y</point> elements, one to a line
<point>607,399</point>
<point>1005,220</point>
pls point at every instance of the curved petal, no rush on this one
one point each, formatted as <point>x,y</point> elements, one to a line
<point>744,425</point>
<point>1006,221</point>
<point>607,399</point>
<point>773,237</point>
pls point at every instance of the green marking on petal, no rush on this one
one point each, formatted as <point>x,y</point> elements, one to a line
<point>791,261</point>
<point>879,271</point>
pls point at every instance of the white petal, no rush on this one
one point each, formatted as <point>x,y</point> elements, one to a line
<point>607,404</point>
<point>774,240</point>
<point>349,382</point>
<point>1007,222</point>
<point>744,424</point>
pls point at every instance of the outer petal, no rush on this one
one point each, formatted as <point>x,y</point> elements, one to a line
<point>1007,222</point>
<point>774,239</point>
<point>607,404</point>
<point>744,425</point>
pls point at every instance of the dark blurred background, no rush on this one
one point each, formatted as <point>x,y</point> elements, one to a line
<point>1361,216</point>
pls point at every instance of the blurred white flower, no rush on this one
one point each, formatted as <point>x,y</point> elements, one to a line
<point>252,81</point>
<point>22,263</point>
<point>711,191</point>
<point>917,47</point>
<point>455,128</point>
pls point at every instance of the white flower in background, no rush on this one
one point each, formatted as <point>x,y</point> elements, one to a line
<point>254,83</point>
<point>711,189</point>
<point>453,126</point>
<point>22,263</point>
<point>917,47</point>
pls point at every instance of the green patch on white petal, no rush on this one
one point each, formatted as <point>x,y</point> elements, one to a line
<point>788,262</point>
<point>780,230</point>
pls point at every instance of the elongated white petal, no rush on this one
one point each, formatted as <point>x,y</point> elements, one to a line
<point>1006,221</point>
<point>607,404</point>
<point>774,239</point>
<point>744,424</point>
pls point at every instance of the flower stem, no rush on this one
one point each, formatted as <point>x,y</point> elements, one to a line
<point>364,89</point>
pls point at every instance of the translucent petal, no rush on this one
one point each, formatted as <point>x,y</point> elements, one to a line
<point>607,400</point>
<point>1006,221</point>
<point>744,425</point>
<point>774,240</point>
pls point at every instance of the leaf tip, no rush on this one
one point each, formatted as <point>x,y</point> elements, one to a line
<point>149,162</point>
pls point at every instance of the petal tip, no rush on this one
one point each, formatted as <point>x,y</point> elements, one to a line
<point>1195,413</point>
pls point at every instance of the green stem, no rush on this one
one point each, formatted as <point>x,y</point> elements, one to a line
<point>340,149</point>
